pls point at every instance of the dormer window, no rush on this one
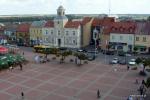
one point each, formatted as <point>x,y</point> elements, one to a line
<point>121,29</point>
<point>130,29</point>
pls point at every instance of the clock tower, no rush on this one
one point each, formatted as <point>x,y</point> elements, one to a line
<point>60,20</point>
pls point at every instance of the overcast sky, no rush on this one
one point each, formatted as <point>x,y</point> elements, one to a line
<point>10,7</point>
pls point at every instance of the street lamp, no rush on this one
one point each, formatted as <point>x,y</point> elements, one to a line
<point>95,33</point>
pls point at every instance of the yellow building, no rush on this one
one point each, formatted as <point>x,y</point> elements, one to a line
<point>87,23</point>
<point>142,42</point>
<point>142,37</point>
<point>36,32</point>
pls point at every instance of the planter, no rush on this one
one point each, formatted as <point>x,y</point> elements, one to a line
<point>134,68</point>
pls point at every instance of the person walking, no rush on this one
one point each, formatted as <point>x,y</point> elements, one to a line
<point>128,67</point>
<point>20,64</point>
<point>22,95</point>
<point>98,94</point>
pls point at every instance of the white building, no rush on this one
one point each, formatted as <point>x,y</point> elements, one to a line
<point>62,33</point>
<point>122,41</point>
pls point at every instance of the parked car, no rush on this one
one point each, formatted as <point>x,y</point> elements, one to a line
<point>109,52</point>
<point>114,61</point>
<point>122,62</point>
<point>121,53</point>
<point>90,57</point>
<point>93,51</point>
<point>132,62</point>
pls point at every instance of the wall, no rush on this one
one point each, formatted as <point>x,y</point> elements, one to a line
<point>87,33</point>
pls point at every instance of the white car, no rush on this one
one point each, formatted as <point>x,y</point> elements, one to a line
<point>132,62</point>
<point>114,61</point>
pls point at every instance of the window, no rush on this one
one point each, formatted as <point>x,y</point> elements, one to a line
<point>113,37</point>
<point>142,49</point>
<point>74,42</point>
<point>51,32</point>
<point>58,22</point>
<point>46,32</point>
<point>137,38</point>
<point>58,32</point>
<point>66,32</point>
<point>144,39</point>
<point>73,32</point>
<point>130,38</point>
<point>121,38</point>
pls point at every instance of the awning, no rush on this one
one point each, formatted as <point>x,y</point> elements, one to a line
<point>140,46</point>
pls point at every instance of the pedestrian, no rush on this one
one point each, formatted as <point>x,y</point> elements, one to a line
<point>143,82</point>
<point>98,94</point>
<point>20,64</point>
<point>22,95</point>
<point>141,90</point>
<point>136,81</point>
<point>128,67</point>
<point>23,53</point>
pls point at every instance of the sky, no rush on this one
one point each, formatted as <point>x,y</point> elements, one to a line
<point>13,7</point>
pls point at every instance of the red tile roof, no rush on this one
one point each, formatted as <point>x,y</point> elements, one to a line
<point>73,24</point>
<point>123,27</point>
<point>102,21</point>
<point>147,28</point>
<point>23,27</point>
<point>49,24</point>
<point>86,20</point>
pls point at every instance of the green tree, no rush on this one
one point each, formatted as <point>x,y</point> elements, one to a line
<point>148,18</point>
<point>135,49</point>
<point>148,82</point>
<point>144,61</point>
<point>80,56</point>
<point>64,54</point>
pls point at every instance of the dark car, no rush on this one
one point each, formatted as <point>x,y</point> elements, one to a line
<point>121,53</point>
<point>122,62</point>
<point>90,57</point>
<point>109,52</point>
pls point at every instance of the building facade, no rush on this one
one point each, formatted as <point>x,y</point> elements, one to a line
<point>22,34</point>
<point>63,33</point>
<point>122,36</point>
<point>142,37</point>
<point>36,35</point>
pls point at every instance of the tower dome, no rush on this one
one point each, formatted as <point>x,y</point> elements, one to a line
<point>61,11</point>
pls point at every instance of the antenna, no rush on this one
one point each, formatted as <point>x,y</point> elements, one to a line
<point>109,7</point>
<point>61,2</point>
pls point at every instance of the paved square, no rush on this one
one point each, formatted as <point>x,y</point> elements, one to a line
<point>55,81</point>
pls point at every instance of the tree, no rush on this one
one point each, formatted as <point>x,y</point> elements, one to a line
<point>135,49</point>
<point>148,82</point>
<point>64,54</point>
<point>80,56</point>
<point>148,18</point>
<point>144,61</point>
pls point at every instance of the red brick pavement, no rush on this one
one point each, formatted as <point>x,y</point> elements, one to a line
<point>55,81</point>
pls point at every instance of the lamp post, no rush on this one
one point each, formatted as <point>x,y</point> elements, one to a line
<point>95,32</point>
